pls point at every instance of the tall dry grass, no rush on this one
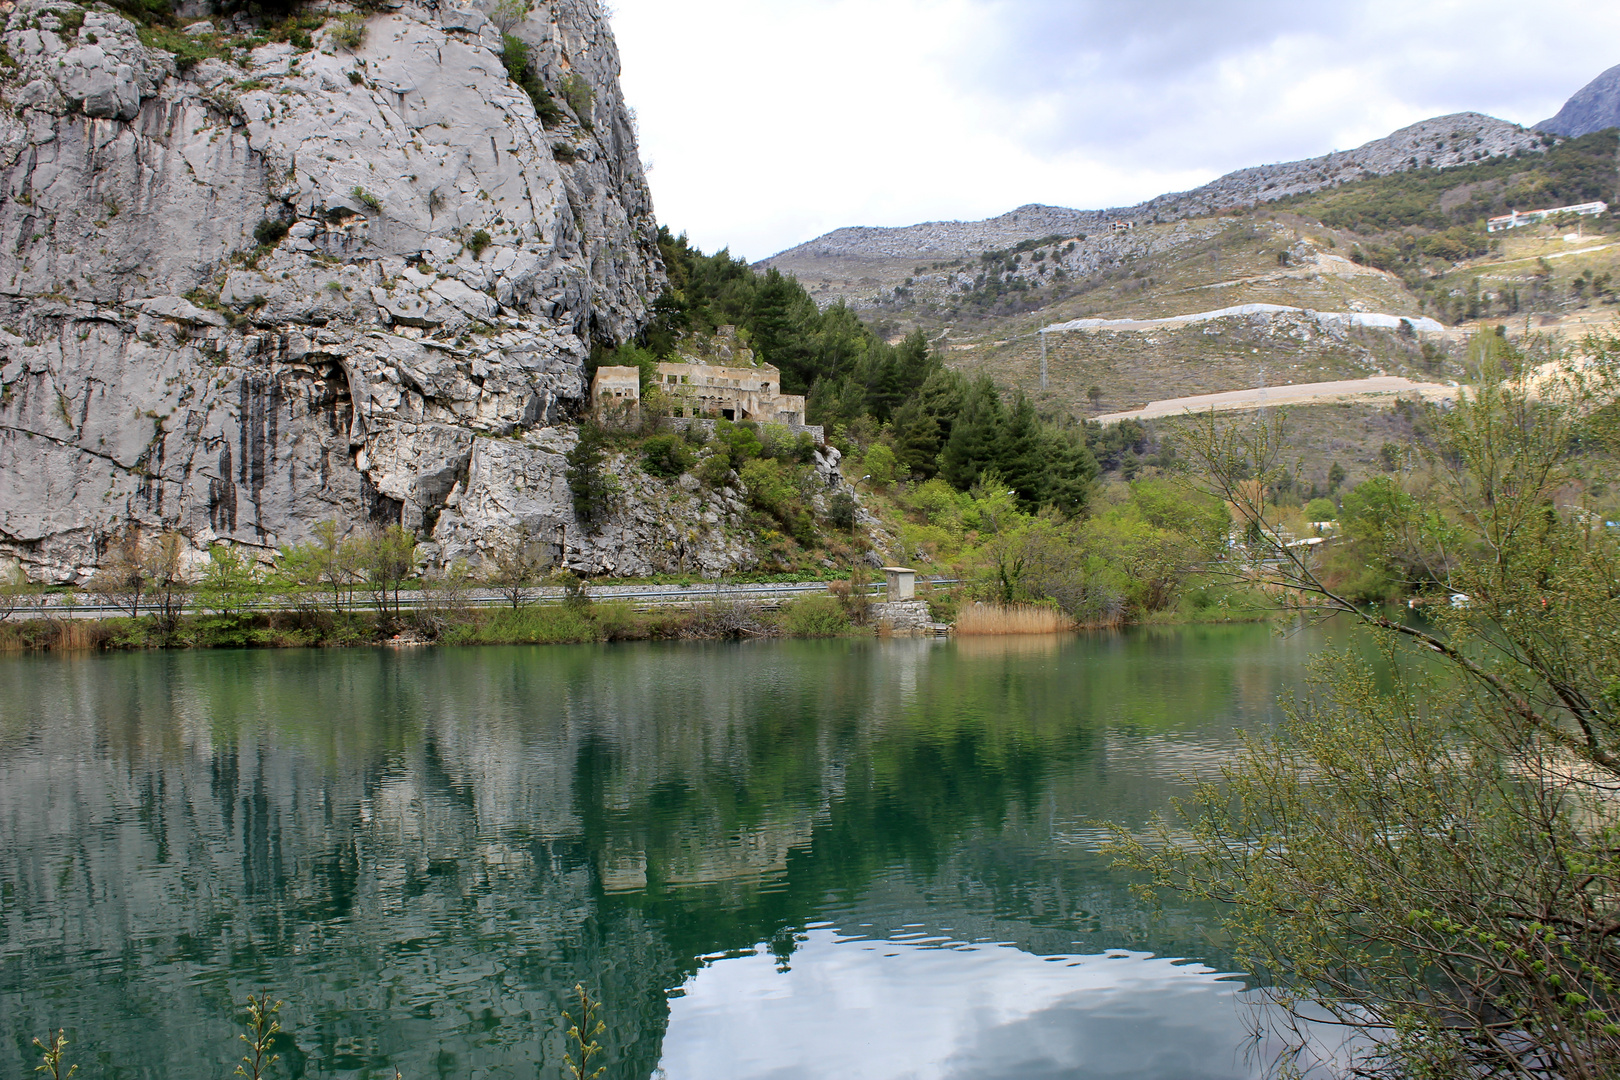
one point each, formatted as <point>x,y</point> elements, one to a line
<point>986,619</point>
<point>54,634</point>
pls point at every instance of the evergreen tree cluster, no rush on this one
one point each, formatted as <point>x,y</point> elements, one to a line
<point>831,356</point>
<point>967,434</point>
<point>937,422</point>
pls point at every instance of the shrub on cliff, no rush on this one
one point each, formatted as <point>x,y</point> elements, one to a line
<point>778,489</point>
<point>515,58</point>
<point>665,456</point>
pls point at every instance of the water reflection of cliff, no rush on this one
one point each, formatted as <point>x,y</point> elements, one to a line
<point>422,851</point>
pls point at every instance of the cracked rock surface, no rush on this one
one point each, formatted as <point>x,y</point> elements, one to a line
<point>290,285</point>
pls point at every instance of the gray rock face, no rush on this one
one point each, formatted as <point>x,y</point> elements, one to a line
<point>518,487</point>
<point>290,286</point>
<point>1593,107</point>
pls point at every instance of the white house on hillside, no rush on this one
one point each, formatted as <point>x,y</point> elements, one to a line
<point>1531,217</point>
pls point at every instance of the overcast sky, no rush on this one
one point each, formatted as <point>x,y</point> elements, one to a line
<point>768,122</point>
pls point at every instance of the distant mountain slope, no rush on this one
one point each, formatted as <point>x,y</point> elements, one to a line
<point>1442,142</point>
<point>1593,107</point>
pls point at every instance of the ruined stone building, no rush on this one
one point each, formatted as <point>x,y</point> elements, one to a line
<point>716,377</point>
<point>730,393</point>
<point>704,391</point>
<point>619,386</point>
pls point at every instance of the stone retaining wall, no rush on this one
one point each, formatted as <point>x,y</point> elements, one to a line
<point>901,617</point>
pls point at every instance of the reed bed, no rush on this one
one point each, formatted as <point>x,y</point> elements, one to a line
<point>977,620</point>
<point>55,634</point>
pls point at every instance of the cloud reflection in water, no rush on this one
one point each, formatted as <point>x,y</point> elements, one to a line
<point>861,1009</point>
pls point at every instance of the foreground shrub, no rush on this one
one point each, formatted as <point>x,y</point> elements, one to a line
<point>540,624</point>
<point>815,617</point>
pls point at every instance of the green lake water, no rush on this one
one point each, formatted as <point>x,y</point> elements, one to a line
<point>851,860</point>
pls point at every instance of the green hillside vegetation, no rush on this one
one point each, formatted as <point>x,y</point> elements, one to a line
<point>961,474</point>
<point>1421,224</point>
<point>894,400</point>
<point>1423,848</point>
<point>1134,557</point>
<point>1573,171</point>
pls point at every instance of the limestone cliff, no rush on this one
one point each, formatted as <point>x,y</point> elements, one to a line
<point>289,284</point>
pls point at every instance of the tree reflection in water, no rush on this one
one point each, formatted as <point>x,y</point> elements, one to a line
<point>423,852</point>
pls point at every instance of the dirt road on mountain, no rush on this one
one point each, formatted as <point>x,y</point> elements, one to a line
<point>1383,386</point>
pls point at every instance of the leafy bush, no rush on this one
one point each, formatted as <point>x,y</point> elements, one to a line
<point>814,617</point>
<point>366,198</point>
<point>665,456</point>
<point>776,489</point>
<point>879,464</point>
<point>738,442</point>
<point>778,441</point>
<point>714,470</point>
<point>938,502</point>
<point>771,485</point>
<point>1321,510</point>
<point>841,511</point>
<point>540,624</point>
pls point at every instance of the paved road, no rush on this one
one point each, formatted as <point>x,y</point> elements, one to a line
<point>88,606</point>
<point>1293,394</point>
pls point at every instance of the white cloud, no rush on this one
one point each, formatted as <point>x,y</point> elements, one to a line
<point>769,122</point>
<point>885,1010</point>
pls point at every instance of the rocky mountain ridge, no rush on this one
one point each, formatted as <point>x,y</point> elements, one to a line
<point>1441,142</point>
<point>1593,107</point>
<point>312,279</point>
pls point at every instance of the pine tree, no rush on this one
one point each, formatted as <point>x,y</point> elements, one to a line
<point>975,441</point>
<point>915,361</point>
<point>778,321</point>
<point>941,396</point>
<point>915,435</point>
<point>835,401</point>
<point>593,487</point>
<point>1070,470</point>
<point>879,372</point>
<point>836,348</point>
<point>1020,457</point>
